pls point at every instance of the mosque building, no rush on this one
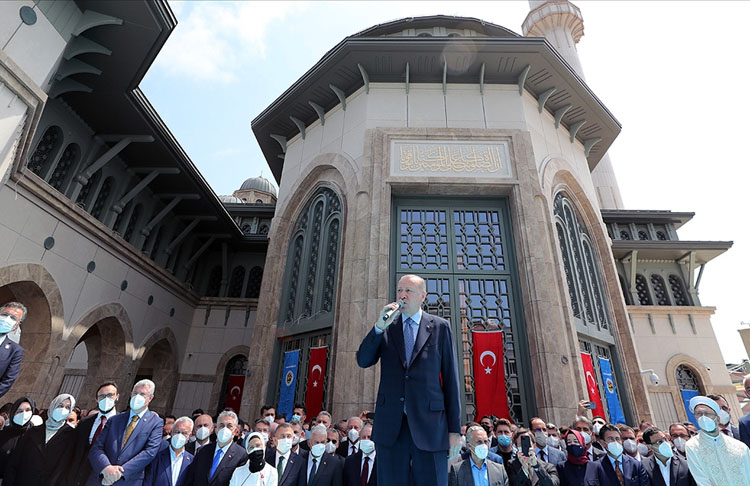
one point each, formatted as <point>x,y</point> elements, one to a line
<point>449,147</point>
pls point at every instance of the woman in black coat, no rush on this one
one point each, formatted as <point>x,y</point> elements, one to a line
<point>572,471</point>
<point>19,421</point>
<point>43,454</point>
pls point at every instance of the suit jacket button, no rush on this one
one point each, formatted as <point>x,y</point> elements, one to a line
<point>402,399</point>
<point>406,377</point>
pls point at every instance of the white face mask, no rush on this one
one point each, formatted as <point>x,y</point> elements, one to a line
<point>541,439</point>
<point>269,419</point>
<point>60,414</point>
<point>615,449</point>
<point>36,420</point>
<point>679,444</point>
<point>724,417</point>
<point>481,451</point>
<point>178,441</point>
<point>106,404</point>
<point>317,450</point>
<point>366,446</point>
<point>553,442</point>
<point>22,418</point>
<point>643,449</point>
<point>706,423</point>
<point>72,425</point>
<point>353,436</point>
<point>665,450</point>
<point>264,436</point>
<point>630,445</point>
<point>6,324</point>
<point>597,428</point>
<point>284,445</point>
<point>295,440</point>
<point>202,433</point>
<point>224,435</point>
<point>330,447</point>
<point>137,402</point>
<point>586,437</point>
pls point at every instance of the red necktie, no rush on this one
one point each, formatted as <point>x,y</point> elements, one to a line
<point>99,429</point>
<point>365,471</point>
<point>726,432</point>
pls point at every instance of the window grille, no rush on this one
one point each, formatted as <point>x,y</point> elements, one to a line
<point>686,379</point>
<point>678,290</point>
<point>660,290</point>
<point>253,283</point>
<point>45,151</point>
<point>60,174</point>
<point>644,296</point>
<point>101,198</point>
<point>236,281</point>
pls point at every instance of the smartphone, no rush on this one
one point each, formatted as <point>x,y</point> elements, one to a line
<point>525,444</point>
<point>370,415</point>
<point>591,405</point>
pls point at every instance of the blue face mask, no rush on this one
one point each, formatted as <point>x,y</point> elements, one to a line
<point>503,440</point>
<point>296,417</point>
<point>7,324</point>
<point>576,450</point>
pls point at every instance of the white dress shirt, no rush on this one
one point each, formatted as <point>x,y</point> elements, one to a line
<point>310,464</point>
<point>664,468</point>
<point>176,464</point>
<point>98,420</point>
<point>352,448</point>
<point>286,459</point>
<point>370,465</point>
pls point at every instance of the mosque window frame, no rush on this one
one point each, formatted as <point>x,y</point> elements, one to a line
<point>236,282</point>
<point>254,281</point>
<point>686,375</point>
<point>61,173</point>
<point>660,291</point>
<point>100,202</point>
<point>51,152</point>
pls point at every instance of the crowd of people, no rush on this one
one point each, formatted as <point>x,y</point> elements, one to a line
<point>64,445</point>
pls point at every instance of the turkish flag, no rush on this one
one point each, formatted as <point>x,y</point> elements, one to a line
<point>489,374</point>
<point>588,369</point>
<point>233,399</point>
<point>316,374</point>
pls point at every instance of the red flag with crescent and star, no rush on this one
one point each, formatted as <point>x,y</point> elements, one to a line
<point>593,388</point>
<point>489,374</point>
<point>316,373</point>
<point>233,398</point>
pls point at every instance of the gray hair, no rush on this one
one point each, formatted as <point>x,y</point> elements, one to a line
<point>183,420</point>
<point>227,413</point>
<point>581,418</point>
<point>319,429</point>
<point>470,432</point>
<point>16,305</point>
<point>283,425</point>
<point>356,418</point>
<point>150,384</point>
<point>294,422</point>
<point>420,281</point>
<point>323,412</point>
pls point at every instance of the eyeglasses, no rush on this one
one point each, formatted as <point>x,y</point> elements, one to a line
<point>108,395</point>
<point>5,314</point>
<point>704,413</point>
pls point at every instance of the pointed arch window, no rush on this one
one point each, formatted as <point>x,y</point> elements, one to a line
<point>236,281</point>
<point>101,198</point>
<point>253,283</point>
<point>83,196</point>
<point>311,282</point>
<point>45,151</point>
<point>134,217</point>
<point>660,290</point>
<point>644,295</point>
<point>678,290</point>
<point>69,157</point>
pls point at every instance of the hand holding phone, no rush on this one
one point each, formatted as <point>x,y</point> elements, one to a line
<point>525,444</point>
<point>590,405</point>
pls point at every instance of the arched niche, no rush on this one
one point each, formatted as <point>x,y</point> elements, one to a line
<point>157,360</point>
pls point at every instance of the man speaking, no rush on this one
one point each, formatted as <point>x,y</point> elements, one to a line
<point>418,409</point>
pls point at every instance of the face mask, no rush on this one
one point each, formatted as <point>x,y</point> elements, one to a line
<point>137,402</point>
<point>615,449</point>
<point>36,420</point>
<point>353,436</point>
<point>284,445</point>
<point>481,451</point>
<point>330,447</point>
<point>202,433</point>
<point>707,424</point>
<point>366,446</point>
<point>665,450</point>
<point>463,441</point>
<point>295,441</point>
<point>255,460</point>
<point>643,449</point>
<point>264,436</point>
<point>679,443</point>
<point>106,404</point>
<point>60,414</point>
<point>6,324</point>
<point>72,425</point>
<point>597,428</point>
<point>630,445</point>
<point>540,438</point>
<point>297,418</point>
<point>22,418</point>
<point>224,435</point>
<point>269,419</point>
<point>576,450</point>
<point>724,417</point>
<point>586,437</point>
<point>317,450</point>
<point>553,442</point>
<point>178,441</point>
<point>503,440</point>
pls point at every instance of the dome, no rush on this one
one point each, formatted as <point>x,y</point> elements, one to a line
<point>259,183</point>
<point>230,200</point>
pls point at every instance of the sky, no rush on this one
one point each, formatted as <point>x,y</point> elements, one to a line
<point>673,74</point>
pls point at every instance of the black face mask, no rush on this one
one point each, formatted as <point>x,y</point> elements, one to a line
<point>256,461</point>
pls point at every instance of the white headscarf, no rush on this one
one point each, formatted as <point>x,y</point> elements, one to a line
<point>51,423</point>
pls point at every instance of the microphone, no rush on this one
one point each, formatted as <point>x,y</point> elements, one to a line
<point>390,313</point>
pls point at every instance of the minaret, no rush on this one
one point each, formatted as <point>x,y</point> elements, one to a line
<point>561,23</point>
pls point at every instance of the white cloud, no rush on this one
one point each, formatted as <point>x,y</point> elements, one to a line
<point>212,39</point>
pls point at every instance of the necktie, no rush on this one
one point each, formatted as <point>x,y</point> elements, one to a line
<point>408,339</point>
<point>281,466</point>
<point>217,460</point>
<point>541,455</point>
<point>726,432</point>
<point>99,429</point>
<point>129,430</point>
<point>365,471</point>
<point>312,471</point>
<point>354,450</point>
<point>620,477</point>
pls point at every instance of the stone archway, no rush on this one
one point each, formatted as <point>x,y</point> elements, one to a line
<point>157,361</point>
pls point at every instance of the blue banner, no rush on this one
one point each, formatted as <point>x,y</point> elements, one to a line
<point>686,396</point>
<point>288,384</point>
<point>610,390</point>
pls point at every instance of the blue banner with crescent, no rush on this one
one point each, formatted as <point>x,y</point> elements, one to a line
<point>686,396</point>
<point>288,384</point>
<point>610,390</point>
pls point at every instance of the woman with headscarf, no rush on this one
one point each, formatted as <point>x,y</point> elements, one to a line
<point>42,455</point>
<point>573,470</point>
<point>19,421</point>
<point>256,471</point>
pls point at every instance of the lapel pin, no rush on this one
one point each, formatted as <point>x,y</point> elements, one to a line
<point>7,346</point>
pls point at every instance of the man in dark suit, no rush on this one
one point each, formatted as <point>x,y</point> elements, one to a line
<point>322,468</point>
<point>172,458</point>
<point>462,472</point>
<point>360,467</point>
<point>204,429</point>
<point>744,427</point>
<point>88,431</point>
<point>418,411</point>
<point>12,315</point>
<point>725,418</point>
<point>128,442</point>
<point>664,467</point>
<point>615,468</point>
<point>547,454</point>
<point>215,463</point>
<point>529,470</point>
<point>350,445</point>
<point>289,465</point>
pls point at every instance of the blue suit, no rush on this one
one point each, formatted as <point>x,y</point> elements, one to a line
<point>602,473</point>
<point>159,472</point>
<point>745,429</point>
<point>142,447</point>
<point>414,412</point>
<point>11,355</point>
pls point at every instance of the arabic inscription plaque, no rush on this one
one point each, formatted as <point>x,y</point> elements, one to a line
<point>450,158</point>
